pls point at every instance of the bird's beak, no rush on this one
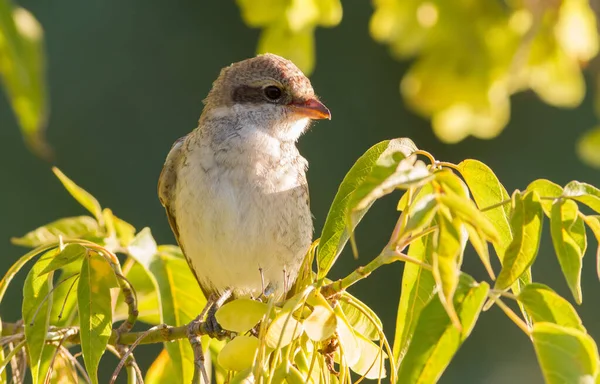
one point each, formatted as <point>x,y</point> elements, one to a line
<point>311,108</point>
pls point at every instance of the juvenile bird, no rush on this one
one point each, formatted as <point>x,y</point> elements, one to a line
<point>235,188</point>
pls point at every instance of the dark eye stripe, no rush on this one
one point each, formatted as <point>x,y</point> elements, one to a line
<point>246,94</point>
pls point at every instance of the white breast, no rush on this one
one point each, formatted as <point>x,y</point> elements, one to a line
<point>242,210</point>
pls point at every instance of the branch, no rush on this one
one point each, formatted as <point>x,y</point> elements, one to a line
<point>161,334</point>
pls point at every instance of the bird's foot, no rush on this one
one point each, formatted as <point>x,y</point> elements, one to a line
<point>212,326</point>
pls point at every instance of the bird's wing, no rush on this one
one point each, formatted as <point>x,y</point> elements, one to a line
<point>167,183</point>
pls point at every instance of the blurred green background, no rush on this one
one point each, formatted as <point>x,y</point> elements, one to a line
<point>127,78</point>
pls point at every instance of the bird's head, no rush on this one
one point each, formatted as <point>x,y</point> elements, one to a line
<point>268,92</point>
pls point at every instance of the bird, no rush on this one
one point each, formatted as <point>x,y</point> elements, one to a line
<point>235,188</point>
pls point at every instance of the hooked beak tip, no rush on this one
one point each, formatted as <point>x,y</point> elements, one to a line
<point>311,108</point>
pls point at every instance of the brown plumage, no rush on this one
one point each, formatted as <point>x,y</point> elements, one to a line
<point>235,188</point>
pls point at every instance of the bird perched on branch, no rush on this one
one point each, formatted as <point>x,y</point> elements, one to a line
<point>235,188</point>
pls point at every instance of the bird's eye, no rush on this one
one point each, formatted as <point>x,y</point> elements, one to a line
<point>272,92</point>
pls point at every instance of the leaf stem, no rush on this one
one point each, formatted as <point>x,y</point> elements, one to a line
<point>513,316</point>
<point>388,256</point>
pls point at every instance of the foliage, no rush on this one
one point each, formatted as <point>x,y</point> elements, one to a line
<point>468,57</point>
<point>23,73</point>
<point>94,277</point>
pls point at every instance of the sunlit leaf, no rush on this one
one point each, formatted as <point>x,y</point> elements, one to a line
<point>321,323</point>
<point>181,301</point>
<point>545,305</point>
<point>258,13</point>
<point>143,247</point>
<point>545,188</point>
<point>68,228</point>
<point>95,312</point>
<point>88,201</point>
<point>393,170</point>
<point>594,223</point>
<point>584,193</point>
<point>64,310</point>
<point>123,231</point>
<point>22,67</point>
<point>335,232</point>
<point>363,319</point>
<point>16,267</point>
<point>464,209</point>
<point>238,354</point>
<point>570,242</point>
<point>418,287</point>
<point>526,224</point>
<point>36,313</point>
<point>347,338</point>
<point>446,252</point>
<point>284,328</point>
<point>435,339</point>
<point>241,315</point>
<point>487,192</point>
<point>588,147</point>
<point>295,45</point>
<point>566,355</point>
<point>161,370</point>
<point>420,213</point>
<point>330,12</point>
<point>70,254</point>
<point>371,363</point>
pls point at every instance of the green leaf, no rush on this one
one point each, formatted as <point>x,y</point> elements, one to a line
<point>566,355</point>
<point>335,232</point>
<point>594,223</point>
<point>37,304</point>
<point>526,224</point>
<point>161,370</point>
<point>570,242</point>
<point>95,312</point>
<point>64,310</point>
<point>436,340</point>
<point>487,191</point>
<point>392,170</point>
<point>121,230</point>
<point>545,188</point>
<point>321,323</point>
<point>82,196</point>
<point>143,247</point>
<point>238,354</point>
<point>418,287</point>
<point>420,213</point>
<point>68,228</point>
<point>363,319</point>
<point>241,315</point>
<point>545,305</point>
<point>446,252</point>
<point>464,209</point>
<point>181,301</point>
<point>69,254</point>
<point>584,193</point>
<point>16,267</point>
<point>371,363</point>
<point>22,68</point>
<point>588,147</point>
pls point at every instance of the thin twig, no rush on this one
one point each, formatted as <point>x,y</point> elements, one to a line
<point>77,364</point>
<point>130,351</point>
